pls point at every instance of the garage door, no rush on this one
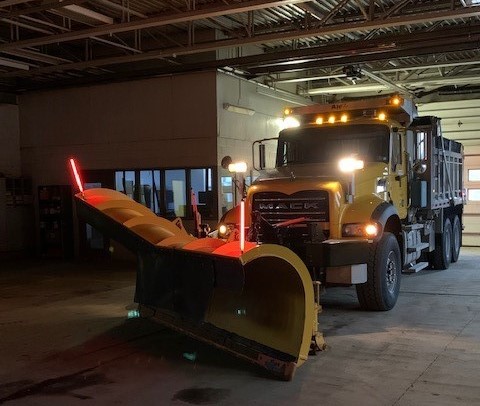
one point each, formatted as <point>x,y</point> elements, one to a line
<point>471,234</point>
<point>461,122</point>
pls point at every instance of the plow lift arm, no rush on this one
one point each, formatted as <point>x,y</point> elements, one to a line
<point>258,305</point>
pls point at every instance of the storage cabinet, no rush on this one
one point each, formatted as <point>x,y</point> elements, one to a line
<point>17,228</point>
<point>55,221</point>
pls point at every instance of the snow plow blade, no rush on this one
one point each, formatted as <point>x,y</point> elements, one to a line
<point>258,305</point>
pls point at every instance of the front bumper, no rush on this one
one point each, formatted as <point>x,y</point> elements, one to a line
<point>343,261</point>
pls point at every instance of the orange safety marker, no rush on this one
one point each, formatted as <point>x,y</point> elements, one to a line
<point>75,173</point>
<point>242,226</point>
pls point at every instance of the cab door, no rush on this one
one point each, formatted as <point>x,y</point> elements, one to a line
<point>397,178</point>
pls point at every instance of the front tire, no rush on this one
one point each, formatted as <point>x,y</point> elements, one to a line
<point>380,292</point>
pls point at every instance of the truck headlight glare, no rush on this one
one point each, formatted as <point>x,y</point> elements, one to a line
<point>350,164</point>
<point>291,122</point>
<point>369,230</point>
<point>222,230</point>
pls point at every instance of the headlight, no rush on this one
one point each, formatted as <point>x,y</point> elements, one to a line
<point>291,122</point>
<point>368,230</point>
<point>350,164</point>
<point>224,230</point>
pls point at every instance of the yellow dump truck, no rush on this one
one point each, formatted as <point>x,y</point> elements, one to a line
<point>361,191</point>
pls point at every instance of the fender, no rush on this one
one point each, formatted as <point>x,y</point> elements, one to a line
<point>383,212</point>
<point>372,208</point>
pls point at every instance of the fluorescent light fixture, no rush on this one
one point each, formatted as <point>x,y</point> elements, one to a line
<point>470,3</point>
<point>346,89</point>
<point>284,96</point>
<point>11,63</point>
<point>238,109</point>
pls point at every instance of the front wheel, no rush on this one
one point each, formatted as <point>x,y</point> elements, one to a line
<point>380,292</point>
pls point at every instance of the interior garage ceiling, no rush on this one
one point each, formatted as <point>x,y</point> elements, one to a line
<point>322,48</point>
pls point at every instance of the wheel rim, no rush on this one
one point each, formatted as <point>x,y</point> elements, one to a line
<point>391,272</point>
<point>448,243</point>
<point>456,237</point>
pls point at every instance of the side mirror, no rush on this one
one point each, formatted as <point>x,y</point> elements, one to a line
<point>420,167</point>
<point>262,153</point>
<point>261,156</point>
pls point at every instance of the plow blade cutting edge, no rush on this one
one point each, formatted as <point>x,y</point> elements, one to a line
<point>258,305</point>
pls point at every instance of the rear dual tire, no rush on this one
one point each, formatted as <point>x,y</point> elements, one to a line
<point>447,244</point>
<point>456,238</point>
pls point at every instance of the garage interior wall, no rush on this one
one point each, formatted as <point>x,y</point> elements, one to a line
<point>138,124</point>
<point>237,130</point>
<point>9,140</point>
<point>461,121</point>
<point>166,122</point>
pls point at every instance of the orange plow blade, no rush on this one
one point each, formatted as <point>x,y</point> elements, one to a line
<point>257,304</point>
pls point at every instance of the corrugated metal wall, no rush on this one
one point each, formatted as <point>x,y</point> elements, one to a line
<point>461,122</point>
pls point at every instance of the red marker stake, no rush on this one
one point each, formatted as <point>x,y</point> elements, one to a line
<point>75,173</point>
<point>242,226</point>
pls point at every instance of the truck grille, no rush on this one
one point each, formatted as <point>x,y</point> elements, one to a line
<point>276,207</point>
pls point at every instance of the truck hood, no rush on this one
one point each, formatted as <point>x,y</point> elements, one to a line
<point>325,171</point>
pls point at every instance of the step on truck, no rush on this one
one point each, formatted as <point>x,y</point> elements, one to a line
<point>361,191</point>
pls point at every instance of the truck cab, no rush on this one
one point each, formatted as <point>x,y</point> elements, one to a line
<point>361,191</point>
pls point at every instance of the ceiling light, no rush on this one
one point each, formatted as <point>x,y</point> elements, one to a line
<point>238,109</point>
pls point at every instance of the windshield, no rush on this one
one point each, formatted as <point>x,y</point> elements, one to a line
<point>329,144</point>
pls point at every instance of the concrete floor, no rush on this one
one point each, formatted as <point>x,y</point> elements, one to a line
<point>65,339</point>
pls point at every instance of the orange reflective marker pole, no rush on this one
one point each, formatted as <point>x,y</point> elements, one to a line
<point>75,173</point>
<point>242,226</point>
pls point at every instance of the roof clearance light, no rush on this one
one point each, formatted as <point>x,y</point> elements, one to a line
<point>382,116</point>
<point>331,119</point>
<point>291,122</point>
<point>396,101</point>
<point>75,173</point>
<point>349,165</point>
<point>319,120</point>
<point>344,118</point>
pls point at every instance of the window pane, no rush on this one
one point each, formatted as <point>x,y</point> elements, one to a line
<point>474,195</point>
<point>474,175</point>
<point>157,187</point>
<point>201,183</point>
<point>119,181</point>
<point>124,181</point>
<point>146,185</point>
<point>175,187</point>
<point>226,193</point>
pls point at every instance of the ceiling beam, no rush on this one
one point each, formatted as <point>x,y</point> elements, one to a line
<point>385,82</point>
<point>6,3</point>
<point>243,7</point>
<point>162,20</point>
<point>448,40</point>
<point>368,87</point>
